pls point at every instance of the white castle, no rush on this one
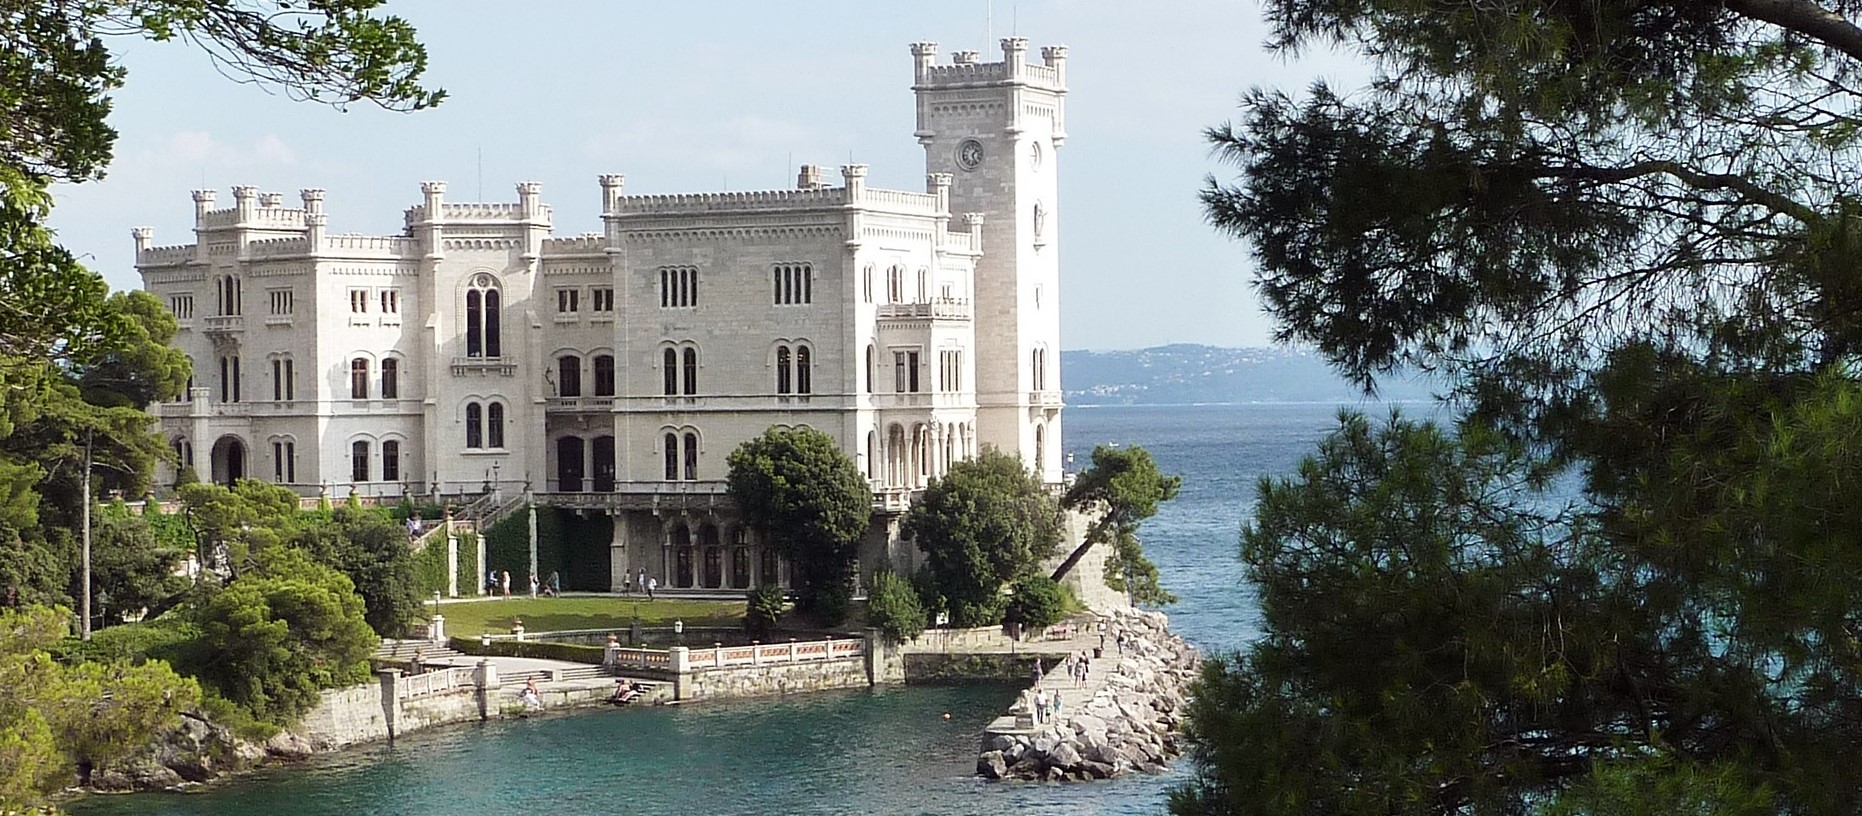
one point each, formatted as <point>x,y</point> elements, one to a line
<point>475,353</point>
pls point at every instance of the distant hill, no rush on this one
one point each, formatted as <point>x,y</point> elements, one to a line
<point>1185,373</point>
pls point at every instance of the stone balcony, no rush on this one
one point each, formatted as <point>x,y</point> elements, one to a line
<point>579,405</point>
<point>496,366</point>
<point>223,324</point>
<point>934,309</point>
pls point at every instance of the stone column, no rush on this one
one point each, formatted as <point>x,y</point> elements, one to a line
<point>618,578</point>
<point>390,698</point>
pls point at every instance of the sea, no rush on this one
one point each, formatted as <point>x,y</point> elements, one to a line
<point>880,751</point>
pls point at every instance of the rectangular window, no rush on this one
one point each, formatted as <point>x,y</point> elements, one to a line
<point>277,382</point>
<point>235,379</point>
<point>278,461</point>
<point>898,372</point>
<point>678,287</point>
<point>290,462</point>
<point>911,371</point>
<point>792,284</point>
<point>391,301</point>
<point>182,306</point>
<point>568,301</point>
<point>290,381</point>
<point>359,462</point>
<point>390,382</point>
<point>391,461</point>
<point>281,302</point>
<point>601,300</point>
<point>358,301</point>
<point>359,378</point>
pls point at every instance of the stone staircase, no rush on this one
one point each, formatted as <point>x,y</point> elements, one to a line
<point>402,651</point>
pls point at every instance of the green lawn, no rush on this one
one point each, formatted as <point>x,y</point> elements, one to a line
<point>558,614</point>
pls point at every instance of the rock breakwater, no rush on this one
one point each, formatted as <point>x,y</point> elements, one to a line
<point>1124,718</point>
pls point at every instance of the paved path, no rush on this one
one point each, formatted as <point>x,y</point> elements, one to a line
<point>1056,680</point>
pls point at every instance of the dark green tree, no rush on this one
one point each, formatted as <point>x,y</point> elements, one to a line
<point>892,607</point>
<point>368,547</point>
<point>282,631</point>
<point>809,500</point>
<point>1036,600</point>
<point>133,568</point>
<point>985,523</point>
<point>1122,488</point>
<point>1627,232</point>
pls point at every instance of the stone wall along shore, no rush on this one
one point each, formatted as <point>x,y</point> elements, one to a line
<point>1128,723</point>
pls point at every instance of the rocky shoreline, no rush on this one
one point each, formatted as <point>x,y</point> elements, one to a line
<point>1130,723</point>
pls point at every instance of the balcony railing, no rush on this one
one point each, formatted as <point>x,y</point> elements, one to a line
<point>934,309</point>
<point>1044,398</point>
<point>501,366</point>
<point>223,324</point>
<point>579,404</point>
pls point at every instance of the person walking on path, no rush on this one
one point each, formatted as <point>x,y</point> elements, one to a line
<point>1102,634</point>
<point>504,580</point>
<point>1040,706</point>
<point>652,584</point>
<point>555,584</point>
<point>640,578</point>
<point>533,586</point>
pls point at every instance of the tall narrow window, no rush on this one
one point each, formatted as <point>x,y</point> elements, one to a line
<point>898,372</point>
<point>792,284</point>
<point>911,371</point>
<point>569,375</point>
<point>494,425</point>
<point>494,347</point>
<point>290,380</point>
<point>475,425</point>
<point>604,375</point>
<point>783,384</point>
<point>802,376</point>
<point>475,323</point>
<point>391,305</point>
<point>278,461</point>
<point>290,462</point>
<point>390,381</point>
<point>671,443</point>
<point>691,371</point>
<point>678,287</point>
<point>895,285</point>
<point>872,368</point>
<point>235,378</point>
<point>359,462</point>
<point>359,378</point>
<point>277,383</point>
<point>391,461</point>
<point>866,284</point>
<point>669,371</point>
<point>691,457</point>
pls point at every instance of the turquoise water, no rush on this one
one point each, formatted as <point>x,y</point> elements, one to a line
<point>885,751</point>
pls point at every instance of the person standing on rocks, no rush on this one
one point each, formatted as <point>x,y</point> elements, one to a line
<point>1040,706</point>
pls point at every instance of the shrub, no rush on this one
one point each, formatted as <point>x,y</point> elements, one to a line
<point>1037,601</point>
<point>893,608</point>
<point>762,607</point>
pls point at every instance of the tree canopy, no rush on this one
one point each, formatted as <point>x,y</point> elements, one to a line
<point>1628,231</point>
<point>811,502</point>
<point>1123,488</point>
<point>983,524</point>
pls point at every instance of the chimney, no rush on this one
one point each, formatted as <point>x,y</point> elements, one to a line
<point>809,178</point>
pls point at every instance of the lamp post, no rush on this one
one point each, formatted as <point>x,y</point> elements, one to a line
<point>497,490</point>
<point>678,631</point>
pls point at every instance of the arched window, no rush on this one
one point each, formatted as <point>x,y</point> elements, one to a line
<point>769,567</point>
<point>359,461</point>
<point>604,375</point>
<point>494,425</point>
<point>671,443</point>
<point>924,285</point>
<point>895,285</point>
<point>802,376</point>
<point>669,371</point>
<point>866,284</point>
<point>483,303</point>
<point>391,380</point>
<point>872,368</point>
<point>359,378</point>
<point>475,427</point>
<point>569,375</point>
<point>1040,450</point>
<point>691,456</point>
<point>691,371</point>
<point>390,461</point>
<point>783,383</point>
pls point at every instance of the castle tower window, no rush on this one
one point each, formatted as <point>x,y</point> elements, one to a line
<point>671,443</point>
<point>792,284</point>
<point>475,425</point>
<point>290,380</point>
<point>494,425</point>
<point>691,456</point>
<point>359,462</point>
<point>895,285</point>
<point>678,287</point>
<point>359,378</point>
<point>872,368</point>
<point>604,375</point>
<point>691,371</point>
<point>481,319</point>
<point>783,373</point>
<point>391,461</point>
<point>866,284</point>
<point>235,378</point>
<point>569,375</point>
<point>568,300</point>
<point>277,380</point>
<point>803,378</point>
<point>391,379</point>
<point>669,371</point>
<point>358,301</point>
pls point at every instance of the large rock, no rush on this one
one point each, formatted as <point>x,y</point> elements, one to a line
<point>991,765</point>
<point>1064,755</point>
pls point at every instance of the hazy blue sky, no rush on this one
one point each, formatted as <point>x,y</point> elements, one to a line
<point>704,96</point>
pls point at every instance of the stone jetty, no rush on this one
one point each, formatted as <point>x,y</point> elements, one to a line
<point>1124,718</point>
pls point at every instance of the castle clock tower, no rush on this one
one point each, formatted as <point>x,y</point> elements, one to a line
<point>997,128</point>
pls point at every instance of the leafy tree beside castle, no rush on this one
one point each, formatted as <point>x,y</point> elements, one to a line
<point>1629,231</point>
<point>985,523</point>
<point>811,503</point>
<point>1120,490</point>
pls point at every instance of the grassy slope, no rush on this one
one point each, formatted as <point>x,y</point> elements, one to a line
<point>557,614</point>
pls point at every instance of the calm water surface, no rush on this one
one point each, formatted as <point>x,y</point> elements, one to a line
<point>885,751</point>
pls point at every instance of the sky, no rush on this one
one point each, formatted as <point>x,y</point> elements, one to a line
<point>704,96</point>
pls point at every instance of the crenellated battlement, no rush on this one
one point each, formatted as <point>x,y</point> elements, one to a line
<point>762,200</point>
<point>166,255</point>
<point>591,243</point>
<point>967,70</point>
<point>270,218</point>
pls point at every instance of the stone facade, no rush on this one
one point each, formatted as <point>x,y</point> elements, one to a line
<point>476,352</point>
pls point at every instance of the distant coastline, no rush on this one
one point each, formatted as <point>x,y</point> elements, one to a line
<point>1188,374</point>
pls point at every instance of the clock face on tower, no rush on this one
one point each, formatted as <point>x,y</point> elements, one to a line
<point>969,154</point>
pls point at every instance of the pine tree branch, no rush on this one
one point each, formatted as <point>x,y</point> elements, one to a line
<point>1806,18</point>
